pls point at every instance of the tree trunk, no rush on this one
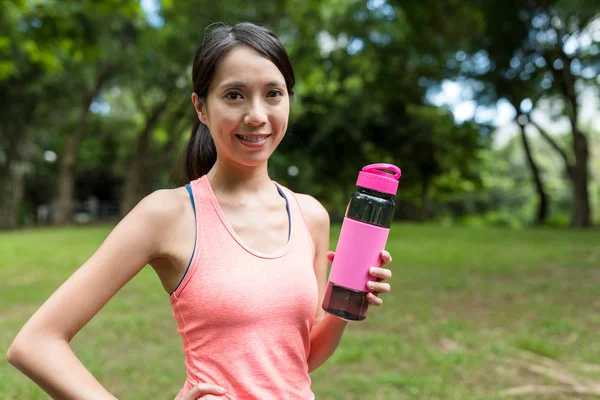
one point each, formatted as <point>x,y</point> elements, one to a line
<point>17,137</point>
<point>581,216</point>
<point>5,185</point>
<point>11,182</point>
<point>64,205</point>
<point>134,189</point>
<point>579,174</point>
<point>66,180</point>
<point>542,210</point>
<point>18,188</point>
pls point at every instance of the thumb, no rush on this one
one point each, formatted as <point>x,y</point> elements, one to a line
<point>330,256</point>
<point>203,388</point>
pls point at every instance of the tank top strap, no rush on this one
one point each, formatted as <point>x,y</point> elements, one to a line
<point>299,224</point>
<point>203,217</point>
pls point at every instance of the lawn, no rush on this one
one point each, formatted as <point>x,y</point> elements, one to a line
<point>474,313</point>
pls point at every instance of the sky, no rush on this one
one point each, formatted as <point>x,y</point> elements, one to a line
<point>152,8</point>
<point>456,96</point>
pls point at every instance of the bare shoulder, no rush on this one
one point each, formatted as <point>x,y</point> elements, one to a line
<point>316,215</point>
<point>164,204</point>
<point>164,212</point>
<point>163,207</point>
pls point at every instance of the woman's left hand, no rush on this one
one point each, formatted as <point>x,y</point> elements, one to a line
<point>380,274</point>
<point>379,286</point>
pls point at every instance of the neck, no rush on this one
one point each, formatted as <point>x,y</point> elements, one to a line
<point>235,178</point>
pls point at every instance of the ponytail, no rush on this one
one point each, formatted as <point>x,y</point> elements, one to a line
<point>200,153</point>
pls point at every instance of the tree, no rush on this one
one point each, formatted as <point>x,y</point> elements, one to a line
<point>548,47</point>
<point>35,44</point>
<point>102,52</point>
<point>369,111</point>
<point>543,204</point>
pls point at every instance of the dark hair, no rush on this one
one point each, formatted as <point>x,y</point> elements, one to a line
<point>201,153</point>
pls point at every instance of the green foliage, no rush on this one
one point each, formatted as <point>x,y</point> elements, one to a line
<point>506,196</point>
<point>364,72</point>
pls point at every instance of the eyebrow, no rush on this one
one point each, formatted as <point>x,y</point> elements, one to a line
<point>242,84</point>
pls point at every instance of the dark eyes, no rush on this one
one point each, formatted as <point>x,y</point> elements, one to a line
<point>233,96</point>
<point>275,93</point>
<point>238,96</point>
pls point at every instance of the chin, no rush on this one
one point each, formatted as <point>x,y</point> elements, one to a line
<point>254,158</point>
<point>254,161</point>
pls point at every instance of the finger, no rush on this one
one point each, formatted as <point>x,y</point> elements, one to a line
<point>386,257</point>
<point>379,287</point>
<point>374,300</point>
<point>330,256</point>
<point>381,273</point>
<point>203,388</point>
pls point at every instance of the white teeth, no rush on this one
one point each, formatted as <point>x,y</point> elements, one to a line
<point>254,139</point>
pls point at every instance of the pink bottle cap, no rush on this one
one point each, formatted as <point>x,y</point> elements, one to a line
<point>380,177</point>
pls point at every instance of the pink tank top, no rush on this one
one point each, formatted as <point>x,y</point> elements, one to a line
<point>245,317</point>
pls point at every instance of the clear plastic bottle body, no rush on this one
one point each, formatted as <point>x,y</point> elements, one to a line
<point>369,207</point>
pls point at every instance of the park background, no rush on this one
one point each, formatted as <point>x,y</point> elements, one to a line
<point>489,107</point>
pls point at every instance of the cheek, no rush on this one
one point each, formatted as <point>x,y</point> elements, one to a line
<point>281,117</point>
<point>224,120</point>
<point>229,122</point>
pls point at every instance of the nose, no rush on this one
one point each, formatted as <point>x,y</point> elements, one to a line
<point>256,114</point>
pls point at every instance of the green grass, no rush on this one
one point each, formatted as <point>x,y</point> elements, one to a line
<point>463,302</point>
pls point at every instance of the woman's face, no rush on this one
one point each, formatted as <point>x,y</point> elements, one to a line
<point>247,107</point>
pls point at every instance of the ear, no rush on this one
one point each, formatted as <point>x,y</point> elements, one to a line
<point>200,106</point>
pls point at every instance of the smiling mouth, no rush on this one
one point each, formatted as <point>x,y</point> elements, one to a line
<point>254,138</point>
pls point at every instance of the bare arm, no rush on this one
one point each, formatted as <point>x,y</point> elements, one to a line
<point>327,330</point>
<point>41,349</point>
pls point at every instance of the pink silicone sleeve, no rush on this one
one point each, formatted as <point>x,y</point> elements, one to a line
<point>359,248</point>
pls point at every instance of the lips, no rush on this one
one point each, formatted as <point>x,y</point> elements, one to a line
<point>253,138</point>
<point>253,141</point>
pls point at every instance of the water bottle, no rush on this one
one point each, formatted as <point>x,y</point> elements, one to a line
<point>362,239</point>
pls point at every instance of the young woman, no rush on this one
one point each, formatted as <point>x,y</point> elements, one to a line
<point>243,258</point>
